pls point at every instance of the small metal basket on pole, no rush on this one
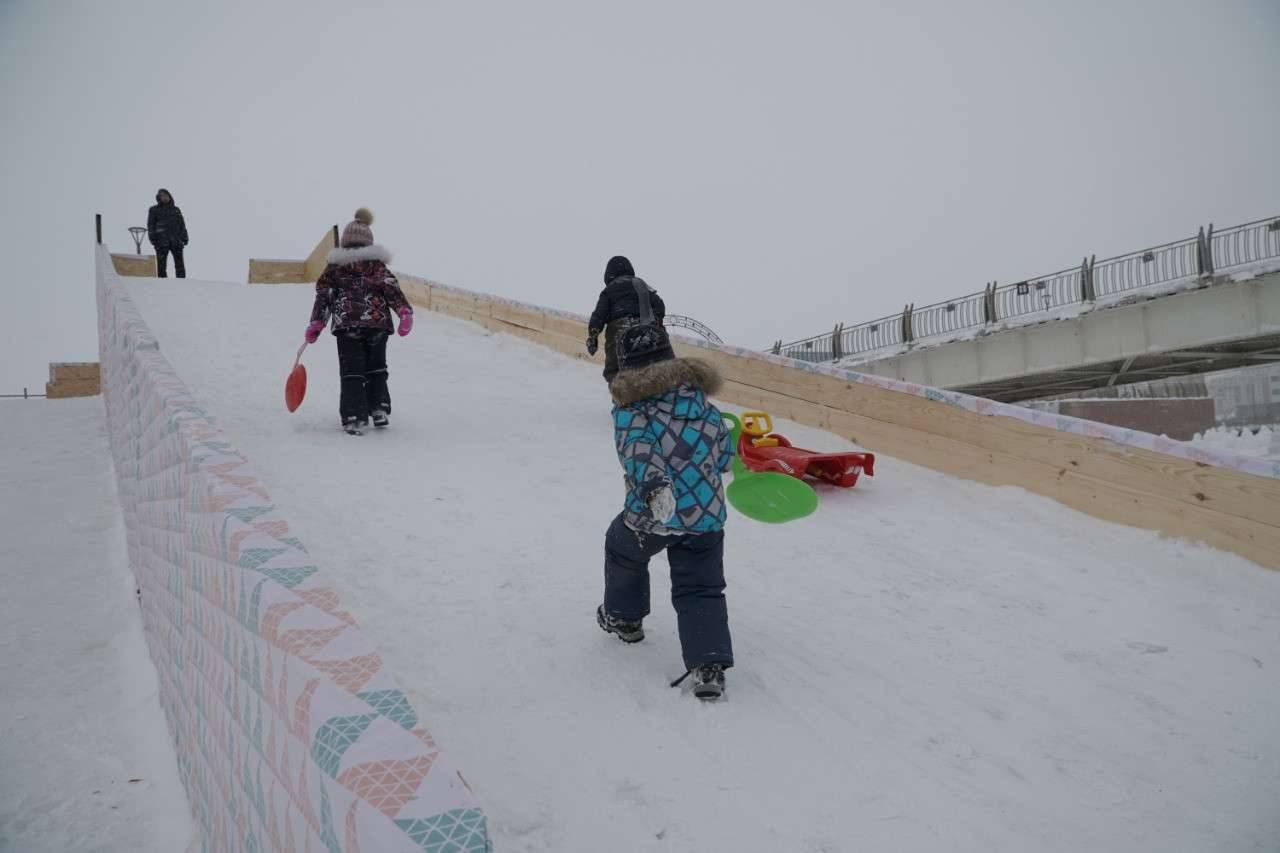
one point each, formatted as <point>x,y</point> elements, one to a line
<point>136,233</point>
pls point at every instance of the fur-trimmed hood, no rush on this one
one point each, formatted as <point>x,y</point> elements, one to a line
<point>630,386</point>
<point>344,257</point>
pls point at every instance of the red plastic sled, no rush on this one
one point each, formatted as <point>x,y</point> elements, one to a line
<point>763,450</point>
<point>295,387</point>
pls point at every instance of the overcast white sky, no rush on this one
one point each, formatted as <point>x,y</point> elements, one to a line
<point>771,168</point>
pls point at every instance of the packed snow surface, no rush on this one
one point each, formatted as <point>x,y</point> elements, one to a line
<point>86,761</point>
<point>925,664</point>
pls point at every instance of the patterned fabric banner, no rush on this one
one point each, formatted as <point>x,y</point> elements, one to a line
<point>290,733</point>
<point>1119,435</point>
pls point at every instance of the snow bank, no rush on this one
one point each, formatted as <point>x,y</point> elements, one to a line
<point>290,731</point>
<point>1263,444</point>
<point>87,760</point>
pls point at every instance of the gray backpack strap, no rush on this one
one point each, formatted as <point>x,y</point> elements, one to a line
<point>646,309</point>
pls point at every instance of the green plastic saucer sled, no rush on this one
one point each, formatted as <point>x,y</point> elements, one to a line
<point>766,496</point>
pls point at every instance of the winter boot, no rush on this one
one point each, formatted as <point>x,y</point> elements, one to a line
<point>628,632</point>
<point>708,681</point>
<point>380,419</point>
<point>355,426</point>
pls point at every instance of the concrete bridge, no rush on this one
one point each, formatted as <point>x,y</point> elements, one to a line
<point>1220,325</point>
<point>1193,306</point>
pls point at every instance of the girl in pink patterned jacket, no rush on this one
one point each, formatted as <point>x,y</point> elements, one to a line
<point>360,295</point>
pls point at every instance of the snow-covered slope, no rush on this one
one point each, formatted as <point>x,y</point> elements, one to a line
<point>924,664</point>
<point>86,763</point>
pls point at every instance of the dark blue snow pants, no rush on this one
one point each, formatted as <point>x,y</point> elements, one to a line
<point>697,587</point>
<point>362,362</point>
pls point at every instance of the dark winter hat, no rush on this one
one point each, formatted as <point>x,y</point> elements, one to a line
<point>358,233</point>
<point>642,345</point>
<point>617,266</point>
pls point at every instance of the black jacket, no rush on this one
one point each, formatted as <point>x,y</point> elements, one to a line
<point>619,299</point>
<point>166,228</point>
<point>617,308</point>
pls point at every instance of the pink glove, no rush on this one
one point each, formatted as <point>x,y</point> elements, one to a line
<point>406,321</point>
<point>314,328</point>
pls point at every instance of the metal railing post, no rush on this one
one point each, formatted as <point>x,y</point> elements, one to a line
<point>907,333</point>
<point>1087,293</point>
<point>1204,251</point>
<point>97,218</point>
<point>336,240</point>
<point>836,348</point>
<point>1208,250</point>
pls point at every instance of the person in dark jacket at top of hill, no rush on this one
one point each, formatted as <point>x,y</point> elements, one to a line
<point>617,308</point>
<point>167,231</point>
<point>360,295</point>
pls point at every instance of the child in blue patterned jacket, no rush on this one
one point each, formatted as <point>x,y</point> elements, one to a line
<point>674,448</point>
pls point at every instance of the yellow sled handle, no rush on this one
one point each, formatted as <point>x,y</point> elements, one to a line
<point>757,424</point>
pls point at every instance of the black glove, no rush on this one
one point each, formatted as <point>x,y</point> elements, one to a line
<point>593,343</point>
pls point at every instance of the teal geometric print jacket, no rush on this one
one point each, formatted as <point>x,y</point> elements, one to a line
<point>668,434</point>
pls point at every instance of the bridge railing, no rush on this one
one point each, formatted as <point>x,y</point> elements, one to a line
<point>950,316</point>
<point>878,333</point>
<point>1246,244</point>
<point>679,321</point>
<point>1037,295</point>
<point>1204,255</point>
<point>1157,265</point>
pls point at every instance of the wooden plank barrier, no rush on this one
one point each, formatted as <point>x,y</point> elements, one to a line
<point>268,271</point>
<point>318,259</point>
<point>1232,510</point>
<point>141,266</point>
<point>73,379</point>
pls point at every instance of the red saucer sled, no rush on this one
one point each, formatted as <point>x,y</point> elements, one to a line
<point>295,387</point>
<point>763,450</point>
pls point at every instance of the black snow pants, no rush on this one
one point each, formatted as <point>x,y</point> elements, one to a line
<point>162,262</point>
<point>362,363</point>
<point>697,587</point>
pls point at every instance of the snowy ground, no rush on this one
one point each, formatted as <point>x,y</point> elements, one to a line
<point>1264,443</point>
<point>86,762</point>
<point>925,664</point>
